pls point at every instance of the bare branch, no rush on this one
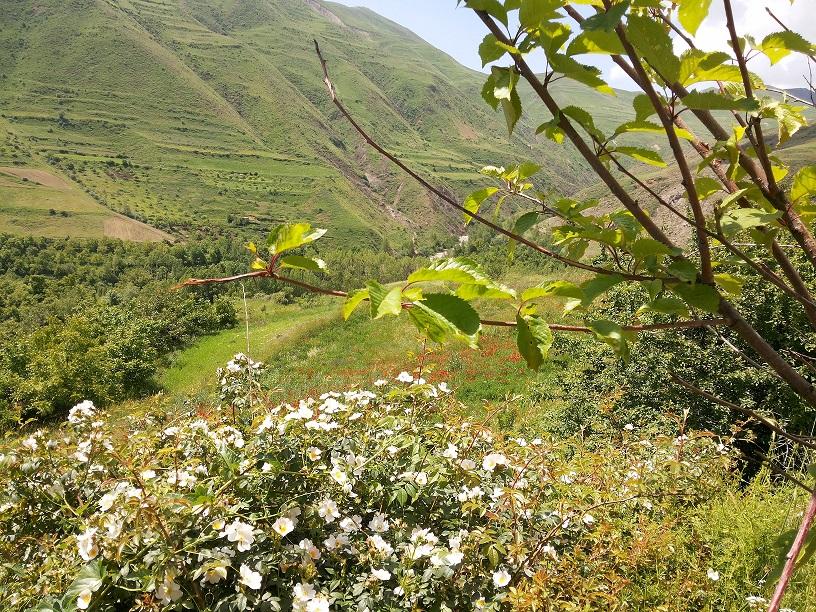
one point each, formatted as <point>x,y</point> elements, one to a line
<point>447,199</point>
<point>806,442</point>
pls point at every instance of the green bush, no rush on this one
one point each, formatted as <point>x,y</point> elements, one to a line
<point>377,500</point>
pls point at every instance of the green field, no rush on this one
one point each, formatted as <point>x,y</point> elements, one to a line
<point>211,117</point>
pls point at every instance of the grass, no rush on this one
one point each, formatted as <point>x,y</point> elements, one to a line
<point>230,124</point>
<point>309,349</point>
<point>272,327</point>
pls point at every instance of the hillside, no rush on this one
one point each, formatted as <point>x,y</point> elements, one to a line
<point>211,116</point>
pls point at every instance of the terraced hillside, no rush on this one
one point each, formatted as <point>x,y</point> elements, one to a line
<point>210,116</point>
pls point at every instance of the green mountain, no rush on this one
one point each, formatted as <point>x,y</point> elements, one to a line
<point>211,117</point>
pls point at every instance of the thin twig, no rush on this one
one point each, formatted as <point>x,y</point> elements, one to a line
<point>447,199</point>
<point>746,411</point>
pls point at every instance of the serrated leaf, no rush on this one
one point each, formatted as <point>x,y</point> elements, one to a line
<point>596,41</point>
<point>351,303</point>
<point>667,306</point>
<point>683,269</point>
<point>376,294</point>
<point>804,183</point>
<point>780,44</point>
<point>606,21</point>
<point>485,292</point>
<point>475,200</point>
<point>654,44</point>
<point>452,269</point>
<point>292,236</point>
<point>553,289</point>
<point>258,264</point>
<point>739,219</point>
<point>522,224</point>
<point>710,100</point>
<point>706,186</point>
<point>313,264</point>
<point>443,317</point>
<point>691,14</point>
<point>533,13</point>
<point>534,339</point>
<point>699,296</point>
<point>612,334</point>
<point>587,75</point>
<point>648,247</point>
<point>391,304</point>
<point>489,50</point>
<point>585,120</point>
<point>729,283</point>
<point>647,156</point>
<point>602,283</point>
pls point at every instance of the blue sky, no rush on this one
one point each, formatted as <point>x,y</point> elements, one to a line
<point>458,32</point>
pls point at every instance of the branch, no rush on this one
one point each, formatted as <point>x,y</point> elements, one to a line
<point>793,554</point>
<point>447,199</point>
<point>695,323</point>
<point>586,152</point>
<point>746,411</point>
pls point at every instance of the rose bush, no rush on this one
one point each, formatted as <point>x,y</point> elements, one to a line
<point>359,500</point>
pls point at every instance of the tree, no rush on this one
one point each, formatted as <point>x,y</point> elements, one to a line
<point>737,193</point>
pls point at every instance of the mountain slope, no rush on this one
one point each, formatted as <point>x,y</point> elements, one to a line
<point>211,115</point>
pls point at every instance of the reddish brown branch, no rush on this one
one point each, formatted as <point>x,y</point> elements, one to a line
<point>747,412</point>
<point>447,199</point>
<point>793,555</point>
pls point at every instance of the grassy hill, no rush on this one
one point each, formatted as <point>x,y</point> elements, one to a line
<point>211,116</point>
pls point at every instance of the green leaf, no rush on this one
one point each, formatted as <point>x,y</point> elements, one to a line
<point>526,170</point>
<point>489,50</point>
<point>804,183</point>
<point>572,69</point>
<point>648,247</point>
<point>442,317</point>
<point>643,107</point>
<point>292,236</point>
<point>606,21</point>
<point>612,334</point>
<point>647,156</point>
<point>709,100</point>
<point>739,219</point>
<point>683,269</point>
<point>654,44</point>
<point>493,8</point>
<point>706,186</point>
<point>729,283</point>
<point>691,14</point>
<point>585,120</point>
<point>534,339</point>
<point>391,304</point>
<point>376,294</point>
<point>534,12</point>
<point>555,288</point>
<point>698,66</point>
<point>485,292</point>
<point>667,306</point>
<point>596,41</point>
<point>453,269</point>
<point>474,201</point>
<point>780,44</point>
<point>303,263</point>
<point>522,224</point>
<point>351,303</point>
<point>258,264</point>
<point>600,284</point>
<point>699,296</point>
<point>90,577</point>
<point>552,130</point>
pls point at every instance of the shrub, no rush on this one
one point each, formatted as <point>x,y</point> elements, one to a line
<point>363,500</point>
